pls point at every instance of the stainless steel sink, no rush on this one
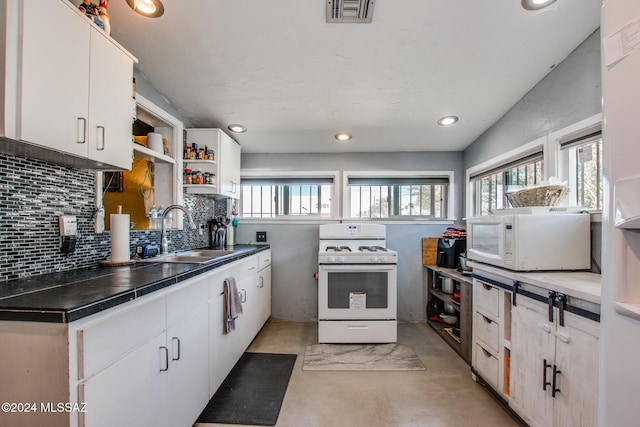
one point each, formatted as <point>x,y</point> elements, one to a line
<point>198,256</point>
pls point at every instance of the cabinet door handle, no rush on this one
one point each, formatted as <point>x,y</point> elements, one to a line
<point>165,350</point>
<point>545,383</point>
<point>516,286</point>
<point>487,287</point>
<point>555,389</point>
<point>243,296</point>
<point>176,339</point>
<point>82,130</point>
<point>261,285</point>
<point>486,319</point>
<point>486,353</point>
<point>100,133</point>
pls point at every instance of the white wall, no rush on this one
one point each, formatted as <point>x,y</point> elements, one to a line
<point>295,246</point>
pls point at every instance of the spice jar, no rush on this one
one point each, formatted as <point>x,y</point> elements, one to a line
<point>199,177</point>
<point>207,178</point>
<point>194,177</point>
<point>187,176</point>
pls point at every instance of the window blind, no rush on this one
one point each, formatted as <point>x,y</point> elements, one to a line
<point>534,157</point>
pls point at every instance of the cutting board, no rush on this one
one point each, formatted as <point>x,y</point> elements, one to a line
<point>429,250</point>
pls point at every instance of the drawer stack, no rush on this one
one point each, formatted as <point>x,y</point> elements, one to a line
<point>491,334</point>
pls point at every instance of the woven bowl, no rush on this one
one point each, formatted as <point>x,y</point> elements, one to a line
<point>547,195</point>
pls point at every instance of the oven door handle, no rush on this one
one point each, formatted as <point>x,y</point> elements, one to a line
<point>357,267</point>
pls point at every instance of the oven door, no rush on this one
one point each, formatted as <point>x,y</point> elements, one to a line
<point>357,292</point>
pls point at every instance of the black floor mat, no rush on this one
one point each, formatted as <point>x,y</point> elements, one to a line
<point>253,391</point>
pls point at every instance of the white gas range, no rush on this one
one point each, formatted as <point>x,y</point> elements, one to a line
<point>357,285</point>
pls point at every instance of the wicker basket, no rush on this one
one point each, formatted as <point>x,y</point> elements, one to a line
<point>548,195</point>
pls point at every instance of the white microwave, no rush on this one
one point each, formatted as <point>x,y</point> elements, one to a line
<point>529,242</point>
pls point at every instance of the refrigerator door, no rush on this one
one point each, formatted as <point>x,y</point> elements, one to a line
<point>619,381</point>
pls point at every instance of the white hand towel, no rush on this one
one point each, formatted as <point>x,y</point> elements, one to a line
<point>232,304</point>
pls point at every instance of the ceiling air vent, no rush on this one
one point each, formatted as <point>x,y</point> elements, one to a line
<point>359,11</point>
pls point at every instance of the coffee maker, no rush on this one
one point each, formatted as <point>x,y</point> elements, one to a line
<point>449,251</point>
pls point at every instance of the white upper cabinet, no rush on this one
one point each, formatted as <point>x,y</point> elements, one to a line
<point>68,87</point>
<point>226,162</point>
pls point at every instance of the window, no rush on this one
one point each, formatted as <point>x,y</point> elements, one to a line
<point>582,152</point>
<point>287,197</point>
<point>388,197</point>
<point>492,185</point>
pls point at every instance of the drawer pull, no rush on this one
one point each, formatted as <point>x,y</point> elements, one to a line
<point>564,338</point>
<point>358,328</point>
<point>545,327</point>
<point>486,319</point>
<point>487,287</point>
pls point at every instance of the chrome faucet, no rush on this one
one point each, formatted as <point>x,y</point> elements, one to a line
<point>164,247</point>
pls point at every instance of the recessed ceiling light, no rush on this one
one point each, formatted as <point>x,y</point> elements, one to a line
<point>237,128</point>
<point>536,4</point>
<point>447,120</point>
<point>343,136</point>
<point>148,8</point>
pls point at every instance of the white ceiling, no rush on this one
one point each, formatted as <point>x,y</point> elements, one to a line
<point>295,81</point>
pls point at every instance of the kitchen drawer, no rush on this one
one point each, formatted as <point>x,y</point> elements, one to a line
<point>264,259</point>
<point>487,365</point>
<point>487,330</point>
<point>123,331</point>
<point>487,298</point>
<point>370,331</point>
<point>246,267</point>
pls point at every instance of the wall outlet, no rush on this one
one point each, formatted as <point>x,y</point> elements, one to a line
<point>201,229</point>
<point>261,236</point>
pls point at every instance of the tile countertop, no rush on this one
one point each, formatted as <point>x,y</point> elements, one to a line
<point>579,284</point>
<point>71,295</point>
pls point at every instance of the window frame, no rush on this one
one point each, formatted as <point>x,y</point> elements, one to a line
<point>334,175</point>
<point>346,194</point>
<point>565,158</point>
<point>540,144</point>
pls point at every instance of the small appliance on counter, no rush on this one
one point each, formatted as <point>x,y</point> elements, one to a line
<point>147,251</point>
<point>449,251</point>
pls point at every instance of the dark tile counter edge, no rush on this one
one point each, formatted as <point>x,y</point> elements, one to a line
<point>66,316</point>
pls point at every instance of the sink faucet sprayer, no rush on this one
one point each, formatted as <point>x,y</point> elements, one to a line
<point>164,247</point>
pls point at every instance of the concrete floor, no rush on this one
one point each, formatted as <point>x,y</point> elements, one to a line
<point>443,395</point>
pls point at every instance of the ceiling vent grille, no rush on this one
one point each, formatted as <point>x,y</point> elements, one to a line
<point>357,11</point>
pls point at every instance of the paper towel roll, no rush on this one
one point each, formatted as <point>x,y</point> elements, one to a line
<point>154,142</point>
<point>120,237</point>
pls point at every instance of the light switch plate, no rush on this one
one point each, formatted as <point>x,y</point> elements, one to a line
<point>261,236</point>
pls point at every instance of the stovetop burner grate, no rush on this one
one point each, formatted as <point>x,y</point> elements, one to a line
<point>338,249</point>
<point>372,249</point>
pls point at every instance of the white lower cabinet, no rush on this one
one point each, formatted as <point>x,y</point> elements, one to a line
<point>254,287</point>
<point>151,362</point>
<point>188,388</point>
<point>553,367</point>
<point>132,391</point>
